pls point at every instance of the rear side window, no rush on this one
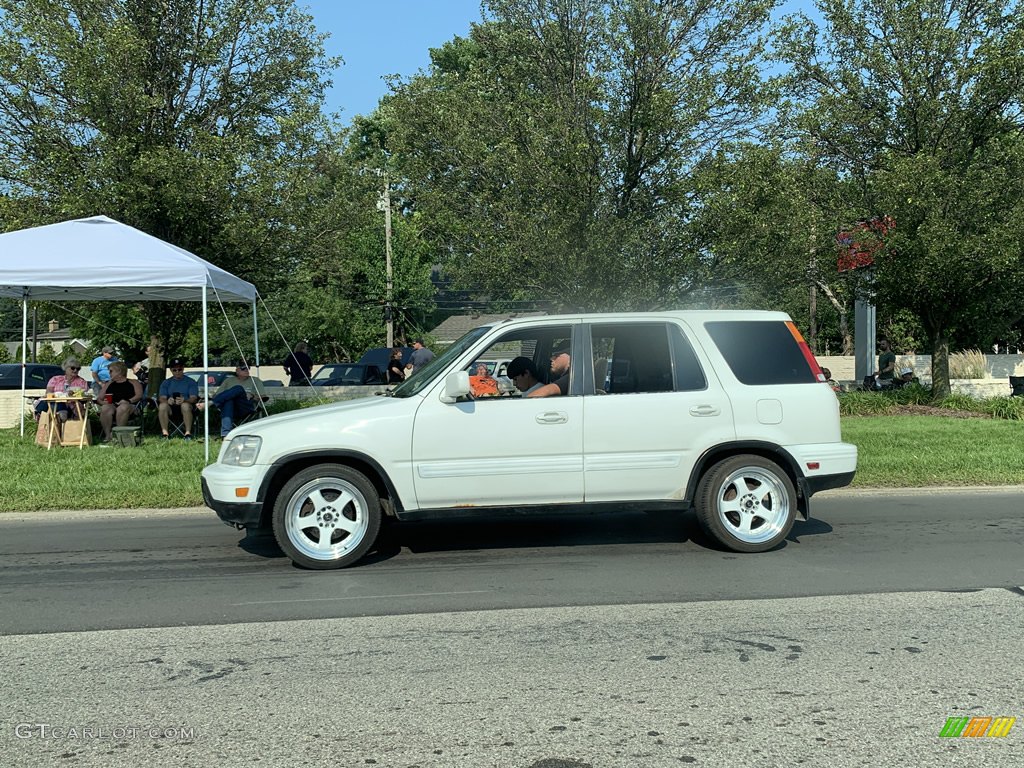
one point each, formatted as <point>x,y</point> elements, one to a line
<point>760,352</point>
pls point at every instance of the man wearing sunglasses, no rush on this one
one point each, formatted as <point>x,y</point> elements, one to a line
<point>178,395</point>
<point>560,364</point>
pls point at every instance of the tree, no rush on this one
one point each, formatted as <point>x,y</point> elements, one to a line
<point>197,121</point>
<point>549,152</point>
<point>765,219</point>
<point>920,102</point>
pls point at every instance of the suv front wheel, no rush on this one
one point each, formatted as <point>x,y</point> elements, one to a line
<point>327,516</point>
<point>746,503</point>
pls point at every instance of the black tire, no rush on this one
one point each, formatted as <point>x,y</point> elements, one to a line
<point>332,501</point>
<point>746,503</point>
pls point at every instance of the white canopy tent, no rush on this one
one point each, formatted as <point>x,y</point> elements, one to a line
<point>99,259</point>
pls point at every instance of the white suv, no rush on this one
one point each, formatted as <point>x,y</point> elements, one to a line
<point>723,411</point>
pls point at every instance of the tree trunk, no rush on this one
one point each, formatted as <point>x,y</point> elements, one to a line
<point>157,365</point>
<point>940,365</point>
<point>844,329</point>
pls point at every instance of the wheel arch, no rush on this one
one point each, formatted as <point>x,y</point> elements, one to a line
<point>285,468</point>
<point>765,450</point>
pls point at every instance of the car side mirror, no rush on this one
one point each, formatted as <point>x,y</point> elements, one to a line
<point>456,385</point>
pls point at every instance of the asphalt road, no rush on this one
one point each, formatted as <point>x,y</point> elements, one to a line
<point>65,572</point>
<point>620,641</point>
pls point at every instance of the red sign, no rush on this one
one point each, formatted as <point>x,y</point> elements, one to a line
<point>859,244</point>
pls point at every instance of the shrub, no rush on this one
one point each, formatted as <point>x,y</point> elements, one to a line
<point>865,403</point>
<point>913,394</point>
<point>969,364</point>
<point>1010,408</point>
<point>958,401</point>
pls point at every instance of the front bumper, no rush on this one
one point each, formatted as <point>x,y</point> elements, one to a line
<point>223,493</point>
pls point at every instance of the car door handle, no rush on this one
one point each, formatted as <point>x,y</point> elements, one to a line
<point>705,410</point>
<point>552,417</point>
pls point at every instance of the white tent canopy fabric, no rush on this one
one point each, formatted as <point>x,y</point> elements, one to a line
<point>99,259</point>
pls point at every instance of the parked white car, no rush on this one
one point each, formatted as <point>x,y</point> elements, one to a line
<point>723,411</point>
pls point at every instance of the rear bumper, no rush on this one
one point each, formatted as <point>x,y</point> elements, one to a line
<point>824,465</point>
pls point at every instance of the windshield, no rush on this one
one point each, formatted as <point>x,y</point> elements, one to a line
<point>417,381</point>
<point>347,373</point>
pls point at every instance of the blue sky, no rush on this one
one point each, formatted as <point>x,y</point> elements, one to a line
<point>383,38</point>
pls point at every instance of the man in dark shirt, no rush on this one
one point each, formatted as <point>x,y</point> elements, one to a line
<point>560,363</point>
<point>886,363</point>
<point>299,366</point>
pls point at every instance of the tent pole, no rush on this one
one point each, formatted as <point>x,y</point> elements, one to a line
<point>24,344</point>
<point>206,386</point>
<point>256,336</point>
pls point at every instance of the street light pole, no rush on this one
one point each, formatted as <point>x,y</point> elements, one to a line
<point>388,316</point>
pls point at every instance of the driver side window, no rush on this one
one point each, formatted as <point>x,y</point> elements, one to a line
<point>516,363</point>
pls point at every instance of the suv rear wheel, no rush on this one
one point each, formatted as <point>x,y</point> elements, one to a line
<point>746,503</point>
<point>327,516</point>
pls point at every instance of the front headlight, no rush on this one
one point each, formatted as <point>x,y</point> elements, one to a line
<point>242,451</point>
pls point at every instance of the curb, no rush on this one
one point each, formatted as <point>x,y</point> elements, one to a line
<point>77,514</point>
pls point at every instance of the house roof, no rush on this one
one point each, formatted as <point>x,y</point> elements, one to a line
<point>458,325</point>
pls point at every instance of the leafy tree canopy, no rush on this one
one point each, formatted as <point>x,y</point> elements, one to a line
<point>197,121</point>
<point>919,103</point>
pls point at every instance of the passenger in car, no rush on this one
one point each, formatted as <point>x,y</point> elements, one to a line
<point>524,375</point>
<point>482,384</point>
<point>560,363</point>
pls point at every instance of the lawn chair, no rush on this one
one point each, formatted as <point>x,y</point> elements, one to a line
<point>176,423</point>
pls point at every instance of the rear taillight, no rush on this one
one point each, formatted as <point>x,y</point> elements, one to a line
<point>806,350</point>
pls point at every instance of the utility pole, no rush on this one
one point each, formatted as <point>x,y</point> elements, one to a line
<point>385,204</point>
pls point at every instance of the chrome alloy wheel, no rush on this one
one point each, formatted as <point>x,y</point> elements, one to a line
<point>326,518</point>
<point>753,505</point>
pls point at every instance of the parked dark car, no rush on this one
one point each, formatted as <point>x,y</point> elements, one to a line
<point>36,375</point>
<point>347,374</point>
<point>213,378</point>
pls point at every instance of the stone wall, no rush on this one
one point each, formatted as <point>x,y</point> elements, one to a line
<point>1000,368</point>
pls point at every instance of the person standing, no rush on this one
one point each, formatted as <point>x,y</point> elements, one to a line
<point>886,364</point>
<point>299,366</point>
<point>100,367</point>
<point>396,373</point>
<point>420,356</point>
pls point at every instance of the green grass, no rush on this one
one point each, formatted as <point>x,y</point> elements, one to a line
<point>906,451</point>
<point>895,451</point>
<point>155,474</point>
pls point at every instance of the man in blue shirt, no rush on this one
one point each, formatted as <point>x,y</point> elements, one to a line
<point>101,367</point>
<point>179,395</point>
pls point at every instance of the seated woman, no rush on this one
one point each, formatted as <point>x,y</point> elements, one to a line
<point>68,384</point>
<point>482,384</point>
<point>118,398</point>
